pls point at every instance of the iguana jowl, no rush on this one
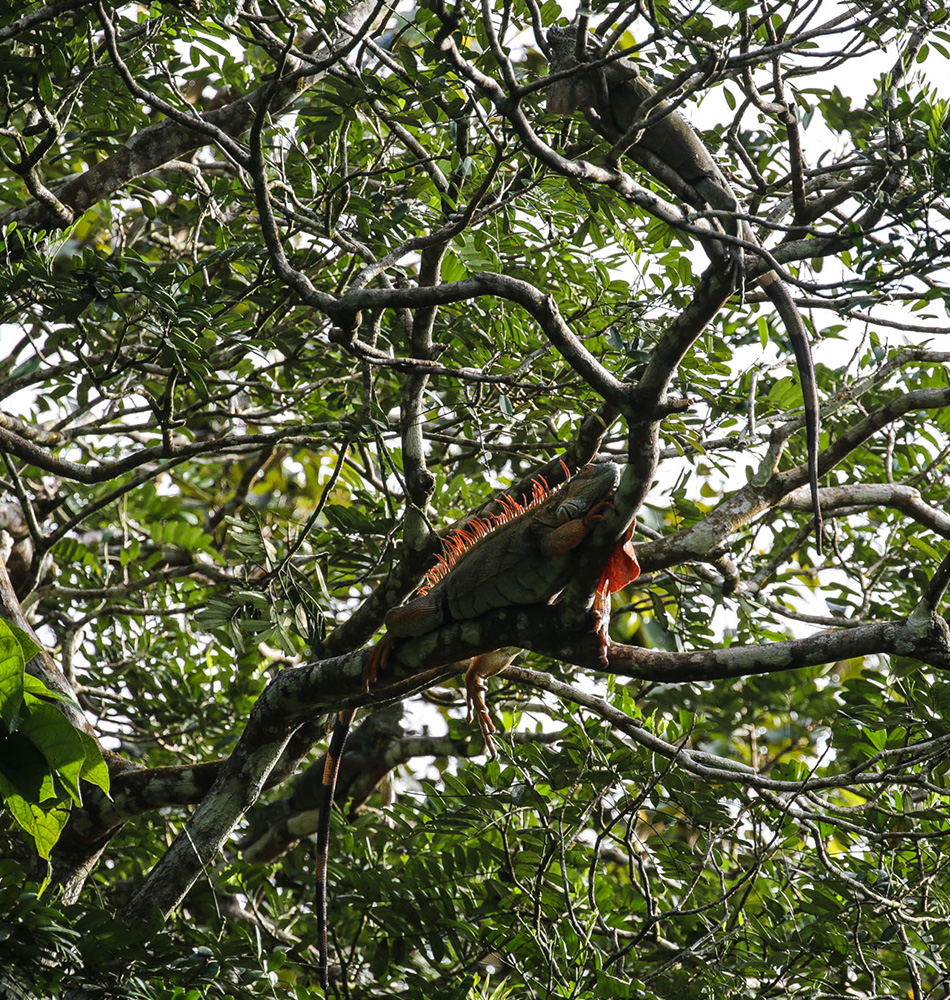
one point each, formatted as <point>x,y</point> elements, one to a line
<point>524,555</point>
<point>611,96</point>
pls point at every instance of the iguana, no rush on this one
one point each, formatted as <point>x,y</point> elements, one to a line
<point>523,555</point>
<point>611,96</point>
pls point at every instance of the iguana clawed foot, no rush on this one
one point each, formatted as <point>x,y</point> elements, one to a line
<point>481,667</point>
<point>376,660</point>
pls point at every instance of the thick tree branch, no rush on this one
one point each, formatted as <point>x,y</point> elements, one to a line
<point>288,701</point>
<point>47,12</point>
<point>14,444</point>
<point>540,306</point>
<point>842,500</point>
<point>930,645</point>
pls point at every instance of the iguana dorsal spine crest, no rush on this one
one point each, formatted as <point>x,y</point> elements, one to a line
<point>461,540</point>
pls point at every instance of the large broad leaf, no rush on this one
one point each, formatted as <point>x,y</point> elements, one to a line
<point>12,662</point>
<point>57,740</point>
<point>44,825</point>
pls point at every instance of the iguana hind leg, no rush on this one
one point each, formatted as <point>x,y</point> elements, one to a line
<point>481,667</point>
<point>376,660</point>
<point>415,618</point>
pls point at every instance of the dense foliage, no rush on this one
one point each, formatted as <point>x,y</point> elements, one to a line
<point>287,290</point>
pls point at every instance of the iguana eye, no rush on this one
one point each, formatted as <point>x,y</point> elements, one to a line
<point>569,510</point>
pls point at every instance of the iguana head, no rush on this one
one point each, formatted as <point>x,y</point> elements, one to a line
<point>567,95</point>
<point>595,482</point>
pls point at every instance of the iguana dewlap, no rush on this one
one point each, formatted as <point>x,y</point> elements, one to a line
<point>525,555</point>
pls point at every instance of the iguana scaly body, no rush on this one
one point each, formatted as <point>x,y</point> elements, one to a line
<point>524,555</point>
<point>611,96</point>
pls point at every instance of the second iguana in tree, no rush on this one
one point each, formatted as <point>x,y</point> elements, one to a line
<point>622,107</point>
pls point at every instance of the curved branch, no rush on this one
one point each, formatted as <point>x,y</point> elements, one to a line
<point>541,306</point>
<point>840,500</point>
<point>707,535</point>
<point>13,444</point>
<point>710,767</point>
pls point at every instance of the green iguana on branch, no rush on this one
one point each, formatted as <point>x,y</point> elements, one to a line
<point>612,97</point>
<point>524,555</point>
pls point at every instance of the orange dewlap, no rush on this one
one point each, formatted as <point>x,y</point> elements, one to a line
<point>622,566</point>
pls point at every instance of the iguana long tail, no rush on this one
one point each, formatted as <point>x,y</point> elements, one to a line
<point>779,296</point>
<point>331,771</point>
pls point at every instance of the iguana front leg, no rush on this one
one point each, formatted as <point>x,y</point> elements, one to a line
<point>567,536</point>
<point>622,569</point>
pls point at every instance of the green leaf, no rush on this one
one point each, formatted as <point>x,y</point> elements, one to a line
<point>94,768</point>
<point>57,740</point>
<point>43,825</point>
<point>12,666</point>
<point>45,87</point>
<point>877,738</point>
